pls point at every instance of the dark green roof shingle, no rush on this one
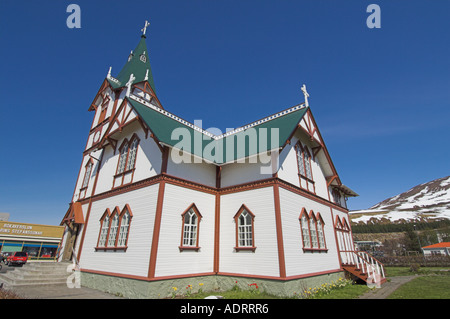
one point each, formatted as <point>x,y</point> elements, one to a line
<point>260,134</point>
<point>138,63</point>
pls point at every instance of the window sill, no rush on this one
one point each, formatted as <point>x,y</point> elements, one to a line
<point>111,248</point>
<point>99,124</point>
<point>131,170</point>
<point>307,178</point>
<point>250,248</point>
<point>196,248</point>
<point>312,250</point>
<point>82,193</point>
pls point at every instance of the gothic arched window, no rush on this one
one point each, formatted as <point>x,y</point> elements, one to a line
<point>245,233</point>
<point>190,228</point>
<point>126,162</point>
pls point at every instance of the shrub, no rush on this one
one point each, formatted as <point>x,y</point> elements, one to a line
<point>414,267</point>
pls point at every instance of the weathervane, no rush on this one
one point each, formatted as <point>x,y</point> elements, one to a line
<point>305,93</point>
<point>145,27</point>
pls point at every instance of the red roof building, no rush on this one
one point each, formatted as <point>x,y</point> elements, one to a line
<point>437,249</point>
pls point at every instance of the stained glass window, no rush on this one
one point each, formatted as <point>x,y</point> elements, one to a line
<point>87,175</point>
<point>312,228</point>
<point>124,226</point>
<point>245,231</point>
<point>190,228</point>
<point>113,231</point>
<point>305,231</point>
<point>132,154</point>
<point>122,159</point>
<point>103,232</point>
<point>307,163</point>
<point>301,161</point>
<point>320,234</point>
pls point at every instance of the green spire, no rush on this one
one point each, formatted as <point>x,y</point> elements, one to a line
<point>138,64</point>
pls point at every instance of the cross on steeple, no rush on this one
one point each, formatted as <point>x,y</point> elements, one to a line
<point>305,93</point>
<point>145,27</point>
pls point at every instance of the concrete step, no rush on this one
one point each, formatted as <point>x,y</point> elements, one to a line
<point>9,282</point>
<point>35,274</point>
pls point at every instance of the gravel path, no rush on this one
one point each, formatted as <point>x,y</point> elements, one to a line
<point>387,288</point>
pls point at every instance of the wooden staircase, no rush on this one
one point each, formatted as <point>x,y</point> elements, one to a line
<point>363,266</point>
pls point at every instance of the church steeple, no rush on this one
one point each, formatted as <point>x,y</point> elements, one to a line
<point>138,65</point>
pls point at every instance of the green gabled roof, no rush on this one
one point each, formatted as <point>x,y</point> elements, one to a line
<point>162,124</point>
<point>138,63</point>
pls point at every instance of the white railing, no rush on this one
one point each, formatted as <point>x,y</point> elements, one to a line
<point>363,261</point>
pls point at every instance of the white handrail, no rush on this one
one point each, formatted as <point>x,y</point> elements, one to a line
<point>363,261</point>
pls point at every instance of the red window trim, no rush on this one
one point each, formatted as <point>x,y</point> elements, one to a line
<point>342,226</point>
<point>304,149</point>
<point>107,213</point>
<point>315,218</point>
<point>236,220</point>
<point>335,192</point>
<point>111,216</point>
<point>104,107</point>
<point>125,171</point>
<point>199,217</point>
<point>89,162</point>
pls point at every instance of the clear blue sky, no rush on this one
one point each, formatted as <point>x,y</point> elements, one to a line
<point>381,97</point>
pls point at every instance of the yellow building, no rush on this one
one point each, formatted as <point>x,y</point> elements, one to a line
<point>41,242</point>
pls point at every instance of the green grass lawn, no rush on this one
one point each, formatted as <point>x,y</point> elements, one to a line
<point>347,292</point>
<point>341,289</point>
<point>231,294</point>
<point>405,271</point>
<point>424,287</point>
<point>432,283</point>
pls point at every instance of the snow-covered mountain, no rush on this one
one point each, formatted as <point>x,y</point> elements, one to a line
<point>425,201</point>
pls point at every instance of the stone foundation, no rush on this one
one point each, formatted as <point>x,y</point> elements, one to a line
<point>140,289</point>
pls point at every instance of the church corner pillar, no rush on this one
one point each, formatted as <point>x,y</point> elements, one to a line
<point>156,228</point>
<point>279,229</point>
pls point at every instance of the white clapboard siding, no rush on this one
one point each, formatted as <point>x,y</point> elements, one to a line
<point>344,238</point>
<point>125,115</point>
<point>201,173</point>
<point>148,160</point>
<point>240,173</point>
<point>88,191</point>
<point>107,170</point>
<point>99,101</point>
<point>307,123</point>
<point>264,260</point>
<point>76,193</point>
<point>170,260</point>
<point>135,260</point>
<point>96,135</point>
<point>288,170</point>
<point>297,261</point>
<point>288,167</point>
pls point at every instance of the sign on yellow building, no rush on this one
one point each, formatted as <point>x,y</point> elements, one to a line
<point>40,242</point>
<point>33,230</point>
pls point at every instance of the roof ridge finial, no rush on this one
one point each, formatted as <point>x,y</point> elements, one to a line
<point>129,83</point>
<point>144,29</point>
<point>305,93</point>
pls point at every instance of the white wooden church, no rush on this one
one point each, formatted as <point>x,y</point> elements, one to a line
<point>160,202</point>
